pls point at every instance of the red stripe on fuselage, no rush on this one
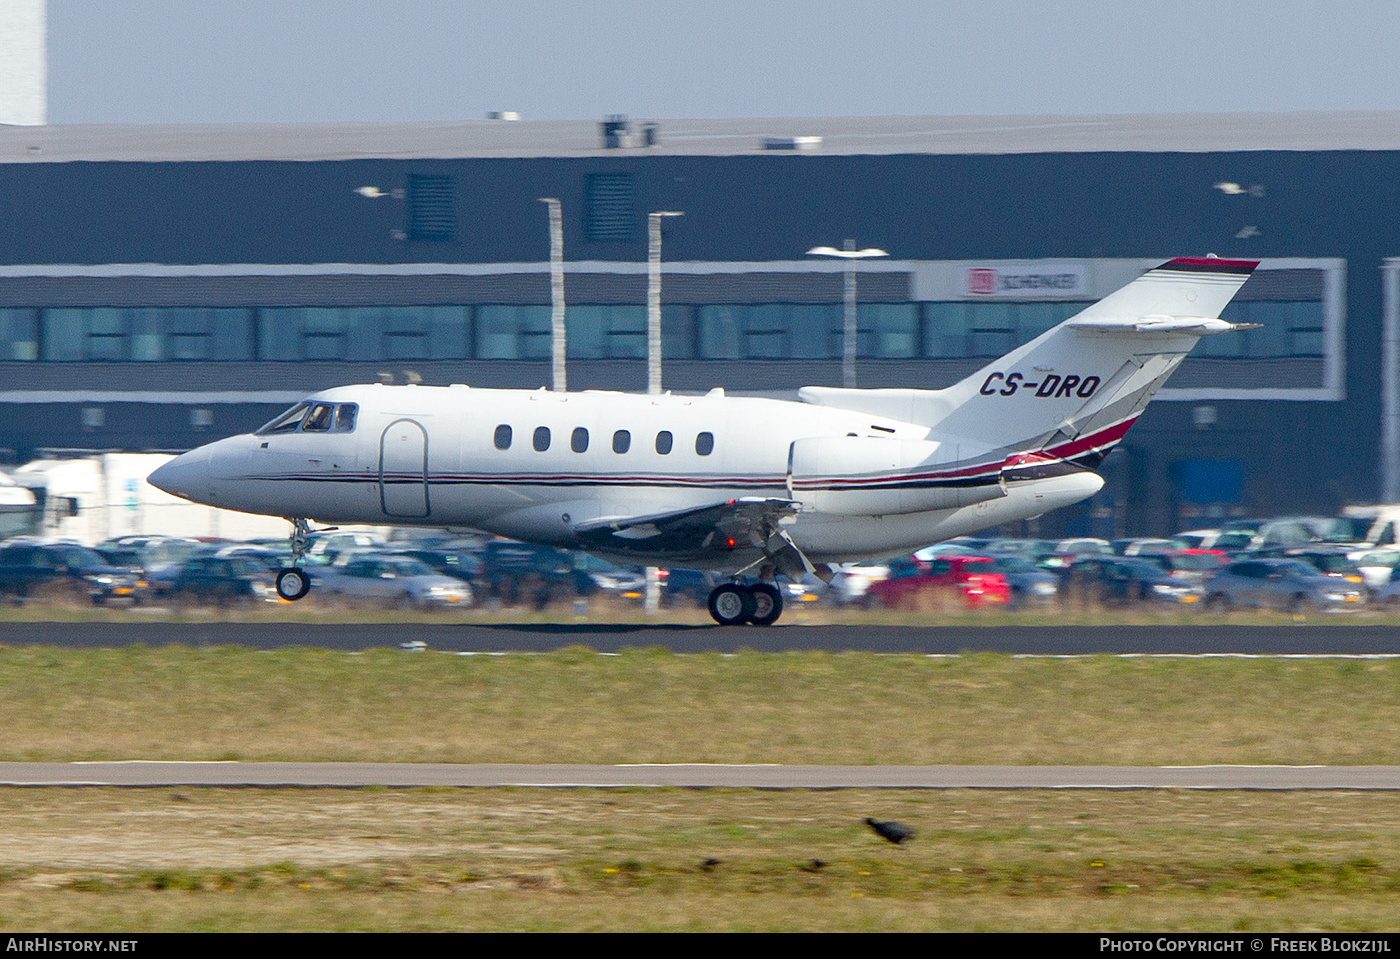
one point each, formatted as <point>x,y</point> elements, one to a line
<point>1084,444</point>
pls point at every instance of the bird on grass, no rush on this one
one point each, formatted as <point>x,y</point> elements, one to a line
<point>709,864</point>
<point>889,830</point>
<point>814,865</point>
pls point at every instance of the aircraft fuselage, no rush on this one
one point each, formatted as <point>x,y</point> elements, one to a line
<point>539,465</point>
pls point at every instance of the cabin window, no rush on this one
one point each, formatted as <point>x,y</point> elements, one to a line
<point>705,444</point>
<point>578,442</point>
<point>541,438</point>
<point>622,441</point>
<point>319,419</point>
<point>503,437</point>
<point>345,417</point>
<point>663,442</point>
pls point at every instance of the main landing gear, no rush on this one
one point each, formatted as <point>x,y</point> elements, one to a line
<point>734,603</point>
<point>293,583</point>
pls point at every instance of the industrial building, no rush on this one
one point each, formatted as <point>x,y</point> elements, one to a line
<point>161,286</point>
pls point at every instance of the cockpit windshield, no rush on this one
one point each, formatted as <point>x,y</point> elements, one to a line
<point>314,418</point>
<point>288,421</point>
<point>319,419</point>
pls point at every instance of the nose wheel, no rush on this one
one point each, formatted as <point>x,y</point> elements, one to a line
<point>293,583</point>
<point>734,603</point>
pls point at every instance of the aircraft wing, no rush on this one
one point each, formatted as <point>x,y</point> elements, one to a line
<point>715,535</point>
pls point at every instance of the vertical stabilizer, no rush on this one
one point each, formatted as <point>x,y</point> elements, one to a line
<point>1073,391</point>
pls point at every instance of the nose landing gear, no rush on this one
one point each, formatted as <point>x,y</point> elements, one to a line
<point>734,603</point>
<point>293,583</point>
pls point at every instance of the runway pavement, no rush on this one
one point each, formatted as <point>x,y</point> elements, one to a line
<point>235,774</point>
<point>1311,639</point>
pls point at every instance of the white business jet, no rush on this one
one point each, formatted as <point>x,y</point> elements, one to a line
<point>748,487</point>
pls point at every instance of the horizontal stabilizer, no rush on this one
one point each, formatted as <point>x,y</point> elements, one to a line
<point>1191,325</point>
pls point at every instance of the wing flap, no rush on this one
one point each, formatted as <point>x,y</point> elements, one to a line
<point>723,529</point>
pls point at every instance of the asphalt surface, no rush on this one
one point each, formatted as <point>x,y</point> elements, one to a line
<point>232,774</point>
<point>1311,639</point>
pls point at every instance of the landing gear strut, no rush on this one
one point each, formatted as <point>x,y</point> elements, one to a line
<point>292,582</point>
<point>734,603</point>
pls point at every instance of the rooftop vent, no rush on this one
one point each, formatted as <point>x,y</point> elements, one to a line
<point>792,143</point>
<point>614,131</point>
<point>617,133</point>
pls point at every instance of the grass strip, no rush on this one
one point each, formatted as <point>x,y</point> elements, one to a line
<point>651,705</point>
<point>519,859</point>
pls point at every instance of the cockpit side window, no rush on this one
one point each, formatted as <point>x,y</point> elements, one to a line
<point>345,417</point>
<point>319,419</point>
<point>287,422</point>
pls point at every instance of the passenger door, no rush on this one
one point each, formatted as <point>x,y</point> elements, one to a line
<point>403,469</point>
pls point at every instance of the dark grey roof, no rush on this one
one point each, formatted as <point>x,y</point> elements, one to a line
<point>1158,132</point>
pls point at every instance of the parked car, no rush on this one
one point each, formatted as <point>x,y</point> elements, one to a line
<point>515,573</point>
<point>1123,580</point>
<point>392,579</point>
<point>224,580</point>
<point>30,569</point>
<point>624,581</point>
<point>973,580</point>
<point>1032,549</point>
<point>1066,551</point>
<point>853,580</point>
<point>1330,561</point>
<point>686,586</point>
<point>796,591</point>
<point>158,557</point>
<point>1387,595</point>
<point>1377,566</point>
<point>273,557</point>
<point>1227,541</point>
<point>1287,584</point>
<point>325,546</point>
<point>1194,566</point>
<point>1030,585</point>
<point>1144,547</point>
<point>459,563</point>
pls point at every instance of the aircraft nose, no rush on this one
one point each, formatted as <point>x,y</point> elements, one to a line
<point>186,476</point>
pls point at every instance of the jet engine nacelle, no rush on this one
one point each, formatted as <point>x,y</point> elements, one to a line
<point>873,476</point>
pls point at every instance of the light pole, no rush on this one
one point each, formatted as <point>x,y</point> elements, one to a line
<point>654,298</point>
<point>556,292</point>
<point>850,254</point>
<point>652,597</point>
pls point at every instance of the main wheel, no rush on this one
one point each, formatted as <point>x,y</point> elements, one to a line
<point>768,604</point>
<point>731,604</point>
<point>293,583</point>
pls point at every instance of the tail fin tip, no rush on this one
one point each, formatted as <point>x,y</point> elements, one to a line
<point>1209,264</point>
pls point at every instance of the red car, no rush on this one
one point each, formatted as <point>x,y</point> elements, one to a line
<point>915,584</point>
